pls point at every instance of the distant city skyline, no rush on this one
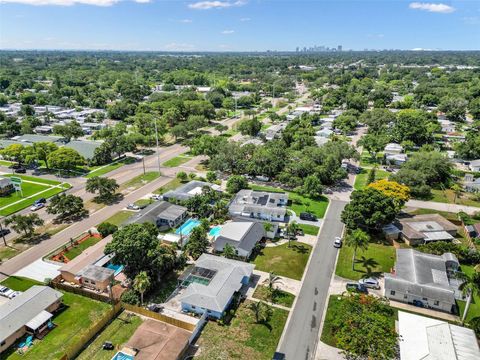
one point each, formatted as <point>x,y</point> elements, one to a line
<point>238,25</point>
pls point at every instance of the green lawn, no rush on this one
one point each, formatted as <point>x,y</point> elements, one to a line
<point>28,202</point>
<point>143,202</point>
<point>162,291</point>
<point>377,259</point>
<point>19,283</point>
<point>474,309</point>
<point>118,332</point>
<point>177,161</point>
<point>283,260</point>
<point>309,229</point>
<point>28,189</point>
<point>34,179</point>
<point>120,217</point>
<point>448,196</point>
<point>139,181</point>
<point>171,185</point>
<point>5,163</point>
<point>78,249</point>
<point>447,215</point>
<point>243,338</point>
<point>299,203</point>
<point>367,160</point>
<point>361,179</point>
<point>281,297</point>
<point>105,169</point>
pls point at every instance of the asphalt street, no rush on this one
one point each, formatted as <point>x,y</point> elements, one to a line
<point>300,338</point>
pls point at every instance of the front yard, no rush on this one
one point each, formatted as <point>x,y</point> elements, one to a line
<point>376,260</point>
<point>120,217</point>
<point>448,196</point>
<point>72,323</point>
<point>78,249</point>
<point>178,160</point>
<point>283,260</point>
<point>243,338</point>
<point>361,179</point>
<point>280,297</point>
<point>139,181</point>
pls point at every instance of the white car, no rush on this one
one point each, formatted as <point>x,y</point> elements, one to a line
<point>371,283</point>
<point>337,242</point>
<point>4,291</point>
<point>13,294</point>
<point>37,206</point>
<point>8,293</point>
<point>133,207</point>
<point>156,197</point>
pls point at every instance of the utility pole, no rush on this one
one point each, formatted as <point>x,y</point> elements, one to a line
<point>158,150</point>
<point>3,234</point>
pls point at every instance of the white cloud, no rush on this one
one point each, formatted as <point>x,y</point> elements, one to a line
<point>206,5</point>
<point>245,19</point>
<point>228,32</point>
<point>432,7</point>
<point>143,1</point>
<point>63,2</point>
<point>179,47</point>
<point>186,21</point>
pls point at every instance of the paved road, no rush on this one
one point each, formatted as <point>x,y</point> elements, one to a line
<point>299,340</point>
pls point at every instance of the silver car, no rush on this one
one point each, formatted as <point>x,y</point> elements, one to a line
<point>371,283</point>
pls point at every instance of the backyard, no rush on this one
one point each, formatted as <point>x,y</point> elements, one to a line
<point>283,260</point>
<point>298,203</point>
<point>118,332</point>
<point>33,188</point>
<point>243,338</point>
<point>374,261</point>
<point>71,323</point>
<point>361,179</point>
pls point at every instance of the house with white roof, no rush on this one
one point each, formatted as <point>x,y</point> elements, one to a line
<point>393,148</point>
<point>424,338</point>
<point>259,205</point>
<point>243,236</point>
<point>210,285</point>
<point>474,165</point>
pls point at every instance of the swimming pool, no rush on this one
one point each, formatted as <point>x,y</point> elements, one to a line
<point>122,356</point>
<point>214,231</point>
<point>187,227</point>
<point>117,268</point>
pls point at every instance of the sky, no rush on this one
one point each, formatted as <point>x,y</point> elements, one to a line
<point>239,25</point>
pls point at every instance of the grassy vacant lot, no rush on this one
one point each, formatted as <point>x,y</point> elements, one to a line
<point>361,179</point>
<point>173,184</point>
<point>474,309</point>
<point>118,332</point>
<point>178,160</point>
<point>243,338</point>
<point>120,217</point>
<point>283,260</point>
<point>105,169</point>
<point>143,202</point>
<point>280,297</point>
<point>447,215</point>
<point>299,203</point>
<point>33,188</point>
<point>139,181</point>
<point>78,249</point>
<point>367,160</point>
<point>71,323</point>
<point>309,229</point>
<point>448,196</point>
<point>377,259</point>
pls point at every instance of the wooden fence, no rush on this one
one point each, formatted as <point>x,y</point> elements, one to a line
<point>153,315</point>
<point>80,291</point>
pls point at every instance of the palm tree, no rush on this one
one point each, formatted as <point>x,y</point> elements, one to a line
<point>457,191</point>
<point>469,287</point>
<point>291,231</point>
<point>141,284</point>
<point>272,280</point>
<point>256,307</point>
<point>358,239</point>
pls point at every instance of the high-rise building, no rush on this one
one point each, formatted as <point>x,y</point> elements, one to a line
<point>339,48</point>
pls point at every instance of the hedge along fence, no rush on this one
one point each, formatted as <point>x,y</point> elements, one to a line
<point>74,349</point>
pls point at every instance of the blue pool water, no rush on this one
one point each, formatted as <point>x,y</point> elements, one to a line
<point>187,227</point>
<point>214,231</point>
<point>122,356</point>
<point>117,268</point>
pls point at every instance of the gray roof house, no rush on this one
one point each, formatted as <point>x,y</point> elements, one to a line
<point>259,204</point>
<point>421,229</point>
<point>470,183</point>
<point>83,147</point>
<point>188,190</point>
<point>210,285</point>
<point>161,213</point>
<point>474,165</point>
<point>423,278</point>
<point>243,236</point>
<point>29,309</point>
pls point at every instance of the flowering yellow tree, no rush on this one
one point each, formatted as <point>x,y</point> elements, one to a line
<point>400,193</point>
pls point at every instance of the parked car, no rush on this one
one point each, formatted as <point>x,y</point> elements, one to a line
<point>4,290</point>
<point>156,197</point>
<point>7,292</point>
<point>4,231</point>
<point>133,207</point>
<point>337,242</point>
<point>41,201</point>
<point>14,294</point>
<point>37,206</point>
<point>20,170</point>
<point>308,216</point>
<point>300,232</point>
<point>418,303</point>
<point>15,166</point>
<point>358,170</point>
<point>355,287</point>
<point>155,307</point>
<point>371,283</point>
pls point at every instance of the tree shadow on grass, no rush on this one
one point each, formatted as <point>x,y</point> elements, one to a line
<point>369,264</point>
<point>299,248</point>
<point>115,199</point>
<point>33,239</point>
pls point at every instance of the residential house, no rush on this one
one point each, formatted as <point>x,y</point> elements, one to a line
<point>421,229</point>
<point>320,141</point>
<point>474,165</point>
<point>161,213</point>
<point>84,148</point>
<point>6,186</point>
<point>243,236</point>
<point>260,205</point>
<point>210,285</point>
<point>425,338</point>
<point>324,132</point>
<point>395,159</point>
<point>393,148</point>
<point>29,312</point>
<point>447,126</point>
<point>91,268</point>
<point>424,279</point>
<point>274,131</point>
<point>470,183</point>
<point>189,190</point>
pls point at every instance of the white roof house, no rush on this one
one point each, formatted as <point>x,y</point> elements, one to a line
<point>423,338</point>
<point>474,165</point>
<point>393,148</point>
<point>243,236</point>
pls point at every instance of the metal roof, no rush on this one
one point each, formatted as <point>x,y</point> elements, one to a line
<point>97,273</point>
<point>38,320</point>
<point>241,235</point>
<point>189,190</point>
